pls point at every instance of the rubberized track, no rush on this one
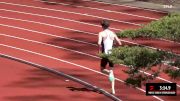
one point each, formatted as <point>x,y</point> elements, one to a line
<point>40,84</point>
<point>70,46</point>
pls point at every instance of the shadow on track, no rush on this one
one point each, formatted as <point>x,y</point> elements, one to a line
<point>82,89</point>
<point>55,2</point>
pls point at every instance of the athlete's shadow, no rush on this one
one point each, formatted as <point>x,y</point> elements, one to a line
<point>82,89</point>
<point>56,2</point>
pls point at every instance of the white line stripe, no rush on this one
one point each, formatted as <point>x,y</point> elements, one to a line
<point>47,56</point>
<point>64,37</point>
<point>73,30</point>
<point>47,16</point>
<point>84,14</point>
<point>72,21</point>
<point>54,71</point>
<point>66,29</point>
<point>48,34</point>
<point>127,6</point>
<point>73,51</point>
<point>165,63</point>
<point>64,61</point>
<point>151,74</point>
<point>50,45</point>
<point>169,41</point>
<point>58,10</point>
<point>160,78</point>
<point>105,10</point>
<point>56,26</point>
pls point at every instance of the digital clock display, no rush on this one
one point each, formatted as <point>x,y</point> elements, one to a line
<point>162,89</point>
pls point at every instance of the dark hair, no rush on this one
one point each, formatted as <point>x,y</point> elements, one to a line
<point>105,24</point>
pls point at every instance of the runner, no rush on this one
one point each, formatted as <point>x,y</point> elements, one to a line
<point>105,42</point>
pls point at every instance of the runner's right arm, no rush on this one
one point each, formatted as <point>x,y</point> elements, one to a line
<point>99,42</point>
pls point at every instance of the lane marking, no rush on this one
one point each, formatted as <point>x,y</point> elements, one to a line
<point>50,45</point>
<point>53,17</point>
<point>59,73</point>
<point>36,14</point>
<point>99,9</point>
<point>48,34</point>
<point>84,14</point>
<point>127,6</point>
<point>20,28</point>
<point>79,31</point>
<point>75,51</point>
<point>41,23</point>
<point>64,61</point>
<point>161,78</point>
<point>58,10</point>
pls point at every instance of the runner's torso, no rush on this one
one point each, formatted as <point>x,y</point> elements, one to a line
<point>108,37</point>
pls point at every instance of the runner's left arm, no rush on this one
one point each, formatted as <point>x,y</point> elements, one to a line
<point>118,40</point>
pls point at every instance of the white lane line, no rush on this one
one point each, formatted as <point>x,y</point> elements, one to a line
<point>67,62</point>
<point>72,30</point>
<point>169,41</point>
<point>67,77</point>
<point>165,63</point>
<point>84,14</point>
<point>53,17</point>
<point>48,34</point>
<point>160,78</point>
<point>99,9</point>
<point>56,26</point>
<point>75,51</point>
<point>147,9</point>
<point>58,10</point>
<point>42,43</point>
<point>70,20</point>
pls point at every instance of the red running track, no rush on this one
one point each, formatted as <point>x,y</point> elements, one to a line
<point>116,7</point>
<point>65,44</point>
<point>21,82</point>
<point>165,45</point>
<point>169,46</point>
<point>97,79</point>
<point>59,53</point>
<point>75,58</point>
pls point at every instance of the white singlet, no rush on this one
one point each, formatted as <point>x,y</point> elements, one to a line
<point>108,37</point>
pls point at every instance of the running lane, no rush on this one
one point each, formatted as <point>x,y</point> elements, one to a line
<point>66,44</point>
<point>114,7</point>
<point>32,22</point>
<point>74,58</point>
<point>38,8</point>
<point>93,77</point>
<point>55,42</point>
<point>21,82</point>
<point>91,12</point>
<point>41,28</point>
<point>165,45</point>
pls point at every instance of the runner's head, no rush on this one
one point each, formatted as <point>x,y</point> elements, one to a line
<point>105,24</point>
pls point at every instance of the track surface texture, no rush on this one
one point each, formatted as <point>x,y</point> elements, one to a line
<point>63,35</point>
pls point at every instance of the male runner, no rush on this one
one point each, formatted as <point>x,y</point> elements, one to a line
<point>105,42</point>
